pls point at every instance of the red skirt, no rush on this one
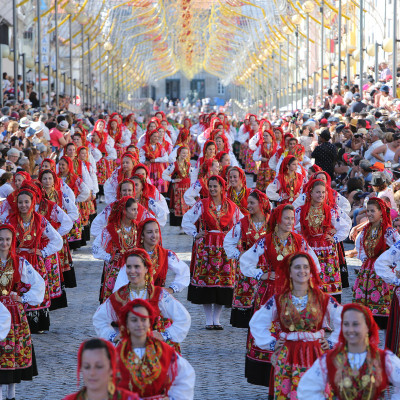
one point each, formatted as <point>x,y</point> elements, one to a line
<point>177,203</point>
<point>156,171</point>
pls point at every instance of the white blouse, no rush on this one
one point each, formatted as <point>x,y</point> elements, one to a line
<point>312,384</point>
<point>192,194</point>
<point>274,187</point>
<point>391,237</point>
<point>388,263</point>
<point>167,173</point>
<point>193,214</point>
<point>262,321</point>
<point>342,203</point>
<point>84,190</point>
<point>5,321</point>
<point>178,267</point>
<point>162,159</point>
<point>341,224</point>
<point>169,308</point>
<point>100,222</point>
<point>248,262</point>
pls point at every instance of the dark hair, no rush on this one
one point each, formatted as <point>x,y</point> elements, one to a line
<point>254,195</point>
<point>375,203</point>
<point>224,155</point>
<point>214,178</point>
<point>355,184</point>
<point>70,144</point>
<point>3,160</point>
<point>5,177</point>
<point>25,192</point>
<point>291,139</point>
<point>94,344</point>
<point>46,171</point>
<point>362,123</point>
<point>291,161</point>
<point>296,256</point>
<point>288,207</point>
<point>130,201</point>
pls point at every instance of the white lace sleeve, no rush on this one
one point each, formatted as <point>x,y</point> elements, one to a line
<point>257,154</point>
<point>342,226</point>
<point>261,323</point>
<point>392,364</point>
<point>181,271</point>
<point>190,218</point>
<point>55,241</point>
<point>142,156</point>
<point>343,203</point>
<point>158,211</point>
<point>63,219</point>
<point>333,321</point>
<point>182,387</point>
<point>70,207</point>
<point>248,261</point>
<point>102,320</point>
<point>4,210</point>
<point>99,246</point>
<point>231,241</point>
<point>312,384</point>
<point>84,191</point>
<point>300,201</point>
<point>5,322</point>
<point>100,222</point>
<point>359,247</point>
<point>35,295</point>
<point>67,192</point>
<point>110,188</point>
<point>174,310</point>
<point>96,154</point>
<point>111,153</point>
<point>272,190</point>
<point>192,193</point>
<point>387,262</point>
<point>167,173</point>
<point>273,161</point>
<point>253,142</point>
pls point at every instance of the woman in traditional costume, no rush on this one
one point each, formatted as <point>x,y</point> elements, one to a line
<point>286,187</point>
<point>356,368</point>
<point>300,311</point>
<point>147,365</point>
<point>52,191</point>
<point>121,137</point>
<point>125,171</point>
<point>146,197</point>
<point>237,188</point>
<point>260,262</point>
<point>375,238</point>
<point>266,148</point>
<point>163,260</point>
<point>154,155</point>
<point>178,174</point>
<point>36,240</point>
<point>213,274</point>
<point>98,362</point>
<point>82,194</point>
<point>118,237</point>
<point>134,128</point>
<point>239,239</point>
<point>210,149</point>
<point>125,188</point>
<point>17,360</point>
<point>172,321</point>
<point>323,227</point>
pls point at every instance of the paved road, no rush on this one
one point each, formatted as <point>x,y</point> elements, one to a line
<point>217,356</point>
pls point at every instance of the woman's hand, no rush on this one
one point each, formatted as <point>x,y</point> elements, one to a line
<point>324,344</point>
<point>117,256</point>
<point>117,338</point>
<point>278,345</point>
<point>177,180</point>
<point>200,235</point>
<point>158,335</point>
<point>266,275</point>
<point>14,296</point>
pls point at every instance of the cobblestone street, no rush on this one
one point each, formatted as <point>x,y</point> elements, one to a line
<point>217,356</point>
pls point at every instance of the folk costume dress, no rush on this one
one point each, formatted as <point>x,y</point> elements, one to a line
<point>315,223</point>
<point>286,187</point>
<point>172,319</point>
<point>199,171</point>
<point>266,256</point>
<point>369,289</point>
<point>37,234</point>
<point>163,260</point>
<point>159,155</point>
<point>386,267</point>
<point>66,204</point>
<point>239,198</point>
<point>156,371</point>
<point>82,194</point>
<point>301,323</point>
<point>104,166</point>
<point>121,139</point>
<point>111,185</point>
<point>213,275</point>
<point>238,240</point>
<point>115,240</point>
<point>365,375</point>
<point>134,128</point>
<point>178,171</point>
<point>17,361</point>
<point>265,174</point>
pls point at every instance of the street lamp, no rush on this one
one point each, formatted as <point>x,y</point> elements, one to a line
<point>296,20</point>
<point>108,47</point>
<point>308,7</point>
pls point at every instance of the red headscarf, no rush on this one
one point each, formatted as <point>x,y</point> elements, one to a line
<point>283,172</point>
<point>103,136</point>
<point>13,250</point>
<point>121,173</point>
<point>127,118</point>
<point>120,185</point>
<point>330,193</point>
<point>26,176</point>
<point>264,203</point>
<point>305,227</point>
<point>72,177</point>
<point>265,152</point>
<point>385,224</point>
<point>316,168</point>
<point>80,162</point>
<point>375,357</point>
<point>276,216</point>
<point>118,210</point>
<point>57,184</point>
<point>242,176</point>
<point>206,145</point>
<point>205,168</point>
<point>137,166</point>
<point>184,134</point>
<point>111,352</point>
<point>118,135</point>
<point>220,155</point>
<point>51,162</point>
<point>146,191</point>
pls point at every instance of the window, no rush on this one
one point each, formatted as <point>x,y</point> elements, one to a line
<point>220,87</point>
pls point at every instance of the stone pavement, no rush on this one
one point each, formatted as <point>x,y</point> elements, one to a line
<point>217,356</point>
